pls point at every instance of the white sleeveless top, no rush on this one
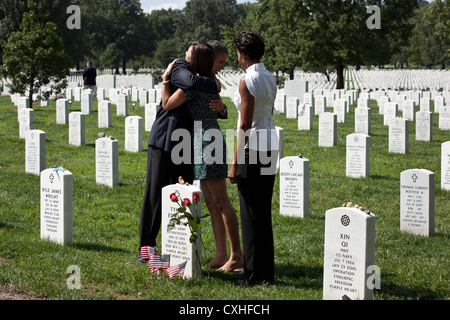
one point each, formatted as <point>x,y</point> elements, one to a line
<point>262,86</point>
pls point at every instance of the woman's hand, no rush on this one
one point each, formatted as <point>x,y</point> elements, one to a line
<point>232,174</point>
<point>217,105</point>
<point>168,72</point>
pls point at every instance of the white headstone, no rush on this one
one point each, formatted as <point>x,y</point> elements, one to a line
<point>445,166</point>
<point>26,121</point>
<point>76,128</point>
<point>425,104</point>
<point>153,96</point>
<point>143,97</point>
<point>101,94</point>
<point>77,93</point>
<point>122,104</point>
<point>280,135</point>
<point>305,117</point>
<point>358,155</point>
<point>107,82</point>
<point>424,126</point>
<point>292,107</point>
<point>135,95</point>
<point>320,104</point>
<point>68,93</point>
<point>86,102</point>
<point>62,111</point>
<point>35,152</point>
<point>390,112</point>
<point>296,88</point>
<point>327,129</point>
<point>133,133</point>
<point>349,252</point>
<point>57,205</point>
<point>381,103</point>
<point>280,102</point>
<point>398,135</point>
<point>444,118</point>
<point>104,114</point>
<point>150,115</point>
<point>294,187</point>
<point>107,162</point>
<point>176,242</point>
<point>340,109</point>
<point>417,201</point>
<point>363,120</point>
<point>409,107</point>
<point>307,98</point>
<point>23,103</point>
<point>439,102</point>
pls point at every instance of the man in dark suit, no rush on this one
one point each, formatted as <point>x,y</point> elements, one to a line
<point>161,171</point>
<point>89,77</point>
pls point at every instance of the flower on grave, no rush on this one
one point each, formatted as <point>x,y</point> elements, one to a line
<point>186,215</point>
<point>196,197</point>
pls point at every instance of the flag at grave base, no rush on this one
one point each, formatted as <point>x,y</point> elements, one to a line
<point>146,252</point>
<point>157,262</point>
<point>175,270</point>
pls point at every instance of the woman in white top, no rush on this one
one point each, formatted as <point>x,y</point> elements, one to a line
<point>254,161</point>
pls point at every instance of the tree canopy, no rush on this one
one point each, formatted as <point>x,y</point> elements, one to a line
<point>313,35</point>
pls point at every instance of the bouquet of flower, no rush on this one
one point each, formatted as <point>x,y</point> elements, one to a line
<point>186,215</point>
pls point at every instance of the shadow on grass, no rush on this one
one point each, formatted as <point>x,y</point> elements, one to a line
<point>96,247</point>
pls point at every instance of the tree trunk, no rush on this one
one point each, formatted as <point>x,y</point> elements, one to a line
<point>339,76</point>
<point>124,65</point>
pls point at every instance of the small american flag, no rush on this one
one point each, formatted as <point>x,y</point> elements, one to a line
<point>146,252</point>
<point>175,270</point>
<point>157,262</point>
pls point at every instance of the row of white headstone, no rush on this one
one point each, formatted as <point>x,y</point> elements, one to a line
<point>417,186</point>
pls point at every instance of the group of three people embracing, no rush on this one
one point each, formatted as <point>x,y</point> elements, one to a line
<point>191,101</point>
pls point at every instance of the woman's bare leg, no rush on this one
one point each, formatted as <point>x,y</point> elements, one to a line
<point>218,228</point>
<point>217,193</point>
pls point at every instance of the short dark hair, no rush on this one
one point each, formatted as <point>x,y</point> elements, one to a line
<point>218,47</point>
<point>202,58</point>
<point>250,43</point>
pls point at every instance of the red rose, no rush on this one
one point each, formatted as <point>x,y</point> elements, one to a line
<point>173,197</point>
<point>186,201</point>
<point>196,197</point>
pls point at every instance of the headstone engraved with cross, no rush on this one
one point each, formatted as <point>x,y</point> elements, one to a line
<point>445,166</point>
<point>294,186</point>
<point>35,149</point>
<point>56,209</point>
<point>107,161</point>
<point>417,202</point>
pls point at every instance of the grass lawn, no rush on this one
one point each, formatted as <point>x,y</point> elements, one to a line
<point>105,222</point>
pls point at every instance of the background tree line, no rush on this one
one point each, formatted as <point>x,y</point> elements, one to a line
<point>314,35</point>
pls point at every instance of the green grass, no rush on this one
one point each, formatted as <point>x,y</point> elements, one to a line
<point>106,220</point>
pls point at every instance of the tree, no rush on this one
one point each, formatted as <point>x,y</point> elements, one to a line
<point>319,35</point>
<point>34,57</point>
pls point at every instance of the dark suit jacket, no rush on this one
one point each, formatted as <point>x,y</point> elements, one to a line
<point>167,122</point>
<point>89,75</point>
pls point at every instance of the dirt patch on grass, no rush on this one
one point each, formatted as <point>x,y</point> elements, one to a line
<point>8,292</point>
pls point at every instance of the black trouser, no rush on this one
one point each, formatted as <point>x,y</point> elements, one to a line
<point>161,172</point>
<point>255,197</point>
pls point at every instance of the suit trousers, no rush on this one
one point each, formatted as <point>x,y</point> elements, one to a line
<point>255,197</point>
<point>161,172</point>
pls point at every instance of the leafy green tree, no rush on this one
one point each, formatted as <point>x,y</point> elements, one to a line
<point>34,56</point>
<point>322,35</point>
